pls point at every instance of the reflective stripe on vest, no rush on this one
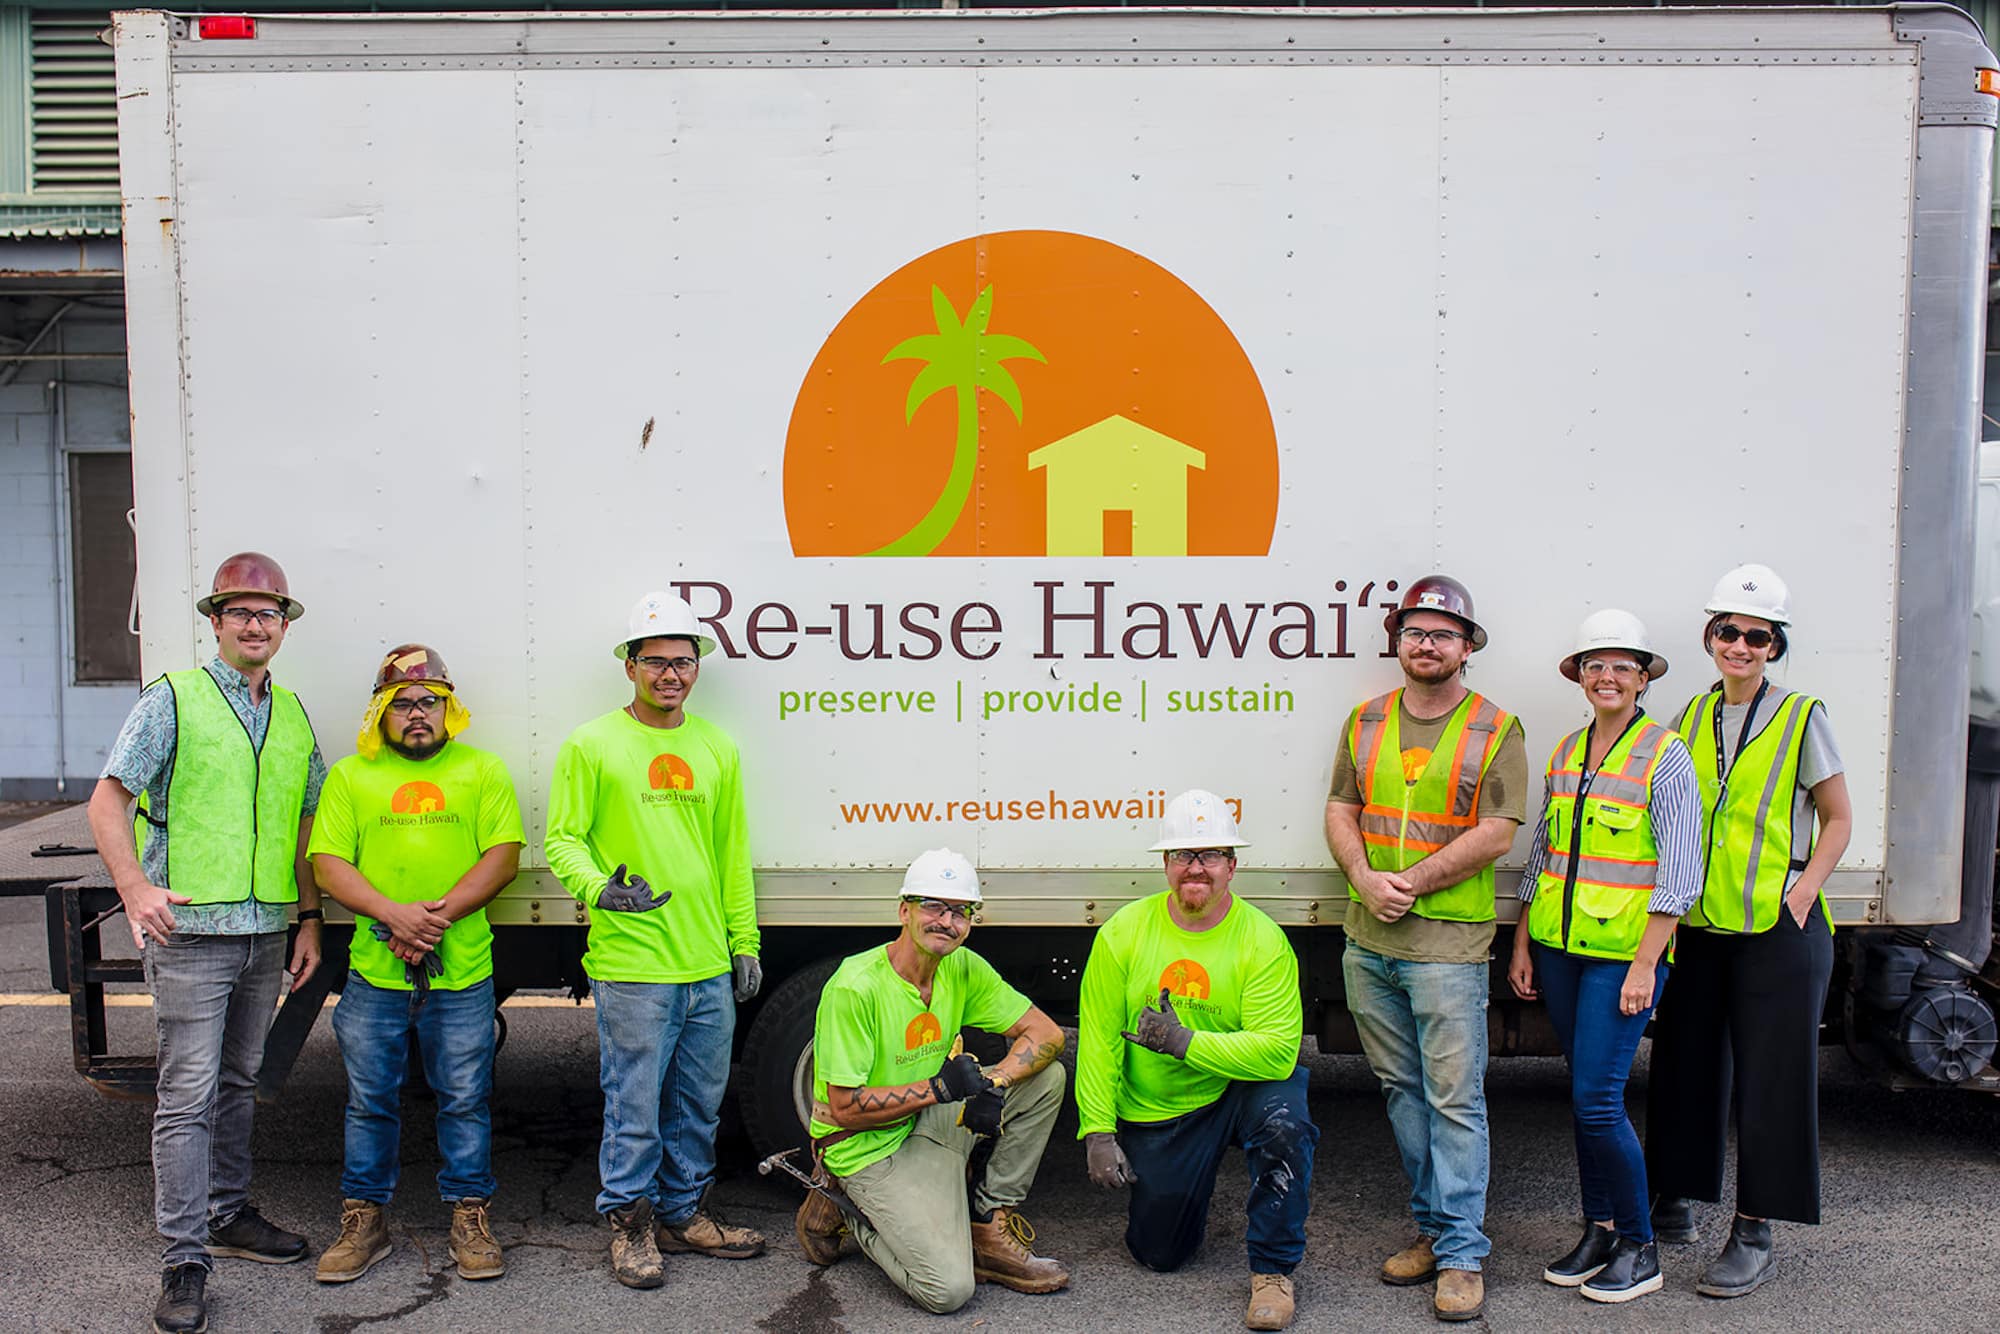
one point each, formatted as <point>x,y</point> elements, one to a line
<point>1747,843</point>
<point>1601,909</point>
<point>232,810</point>
<point>1404,821</point>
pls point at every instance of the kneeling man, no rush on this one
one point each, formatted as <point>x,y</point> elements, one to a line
<point>899,1110</point>
<point>1189,1043</point>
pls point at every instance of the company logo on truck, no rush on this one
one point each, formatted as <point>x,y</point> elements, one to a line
<point>1031,393</point>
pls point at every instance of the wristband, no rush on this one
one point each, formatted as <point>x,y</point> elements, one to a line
<point>310,915</point>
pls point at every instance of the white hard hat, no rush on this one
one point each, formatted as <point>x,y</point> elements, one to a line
<point>942,874</point>
<point>662,616</point>
<point>1198,819</point>
<point>1752,590</point>
<point>1614,629</point>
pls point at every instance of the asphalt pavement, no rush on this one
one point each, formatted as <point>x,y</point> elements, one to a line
<point>1911,1238</point>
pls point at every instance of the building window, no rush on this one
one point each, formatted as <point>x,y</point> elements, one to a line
<point>103,565</point>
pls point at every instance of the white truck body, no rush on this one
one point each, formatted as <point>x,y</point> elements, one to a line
<point>485,325</point>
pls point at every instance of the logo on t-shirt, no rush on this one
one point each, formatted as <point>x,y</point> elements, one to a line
<point>923,1036</point>
<point>670,780</point>
<point>1187,979</point>
<point>418,802</point>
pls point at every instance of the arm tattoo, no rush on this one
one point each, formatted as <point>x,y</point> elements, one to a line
<point>877,1100</point>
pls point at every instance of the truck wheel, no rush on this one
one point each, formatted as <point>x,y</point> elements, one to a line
<point>777,1062</point>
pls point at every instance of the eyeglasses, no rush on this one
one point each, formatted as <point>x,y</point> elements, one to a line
<point>943,908</point>
<point>1210,858</point>
<point>240,617</point>
<point>678,666</point>
<point>1729,634</point>
<point>1416,635</point>
<point>1624,671</point>
<point>403,708</point>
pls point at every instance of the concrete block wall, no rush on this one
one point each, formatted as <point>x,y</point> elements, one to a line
<point>54,733</point>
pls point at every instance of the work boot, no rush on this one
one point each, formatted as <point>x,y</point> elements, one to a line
<point>363,1242</point>
<point>472,1245</point>
<point>1632,1271</point>
<point>822,1229</point>
<point>249,1236</point>
<point>1673,1220</point>
<point>1461,1295</point>
<point>1001,1253</point>
<point>1270,1302</point>
<point>1585,1258</point>
<point>1415,1263</point>
<point>635,1256</point>
<point>1746,1262</point>
<point>183,1304</point>
<point>705,1234</point>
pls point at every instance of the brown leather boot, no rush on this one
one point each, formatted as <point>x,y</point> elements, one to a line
<point>472,1245</point>
<point>1270,1302</point>
<point>362,1244</point>
<point>1001,1254</point>
<point>635,1259</point>
<point>1461,1295</point>
<point>1415,1263</point>
<point>705,1234</point>
<point>821,1229</point>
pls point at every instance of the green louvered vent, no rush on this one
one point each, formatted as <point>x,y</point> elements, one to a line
<point>73,109</point>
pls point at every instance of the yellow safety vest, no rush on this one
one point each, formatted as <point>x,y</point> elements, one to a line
<point>1601,861</point>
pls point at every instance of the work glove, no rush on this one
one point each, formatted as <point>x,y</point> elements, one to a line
<point>1161,1030</point>
<point>749,976</point>
<point>1107,1162</point>
<point>418,974</point>
<point>623,893</point>
<point>981,1113</point>
<point>960,1079</point>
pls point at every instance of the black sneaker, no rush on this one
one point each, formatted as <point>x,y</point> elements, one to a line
<point>1589,1255</point>
<point>250,1236</point>
<point>1633,1271</point>
<point>1673,1220</point>
<point>183,1304</point>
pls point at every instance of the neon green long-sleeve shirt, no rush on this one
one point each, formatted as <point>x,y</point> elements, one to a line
<point>668,803</point>
<point>1236,984</point>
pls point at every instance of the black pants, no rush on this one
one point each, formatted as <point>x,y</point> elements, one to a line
<point>1748,1006</point>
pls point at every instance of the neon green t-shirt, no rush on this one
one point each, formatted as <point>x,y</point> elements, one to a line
<point>874,1031</point>
<point>668,803</point>
<point>412,828</point>
<point>1236,984</point>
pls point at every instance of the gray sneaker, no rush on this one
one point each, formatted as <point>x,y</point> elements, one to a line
<point>250,1236</point>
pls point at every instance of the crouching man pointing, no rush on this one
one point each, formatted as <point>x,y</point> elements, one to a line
<point>898,1109</point>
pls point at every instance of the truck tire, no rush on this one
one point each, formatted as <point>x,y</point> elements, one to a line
<point>776,1098</point>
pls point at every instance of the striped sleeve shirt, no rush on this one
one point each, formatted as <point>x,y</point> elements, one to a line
<point>1675,810</point>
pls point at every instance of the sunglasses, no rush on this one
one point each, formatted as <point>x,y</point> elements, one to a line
<point>1729,634</point>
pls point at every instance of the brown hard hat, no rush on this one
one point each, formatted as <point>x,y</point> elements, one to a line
<point>250,574</point>
<point>1442,594</point>
<point>412,664</point>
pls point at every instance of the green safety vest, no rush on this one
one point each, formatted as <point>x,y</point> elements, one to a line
<point>1747,830</point>
<point>1405,821</point>
<point>1595,902</point>
<point>233,810</point>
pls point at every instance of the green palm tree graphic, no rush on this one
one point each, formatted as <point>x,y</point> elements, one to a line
<point>964,357</point>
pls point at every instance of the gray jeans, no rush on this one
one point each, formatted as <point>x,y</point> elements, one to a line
<point>213,1000</point>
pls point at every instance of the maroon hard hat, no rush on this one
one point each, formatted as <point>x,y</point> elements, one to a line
<point>412,664</point>
<point>1442,594</point>
<point>250,574</point>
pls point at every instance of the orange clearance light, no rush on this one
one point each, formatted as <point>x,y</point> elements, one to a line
<point>1989,82</point>
<point>228,27</point>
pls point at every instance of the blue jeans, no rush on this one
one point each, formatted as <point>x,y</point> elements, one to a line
<point>663,1059</point>
<point>213,1001</point>
<point>1423,1027</point>
<point>1582,996</point>
<point>1176,1161</point>
<point>454,1032</point>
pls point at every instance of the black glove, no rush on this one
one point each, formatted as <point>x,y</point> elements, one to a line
<point>749,976</point>
<point>1107,1162</point>
<point>960,1078</point>
<point>623,893</point>
<point>1161,1030</point>
<point>981,1113</point>
<point>418,974</point>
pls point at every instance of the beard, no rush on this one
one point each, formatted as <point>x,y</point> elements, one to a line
<point>423,750</point>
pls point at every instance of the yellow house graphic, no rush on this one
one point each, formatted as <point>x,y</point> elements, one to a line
<point>1114,468</point>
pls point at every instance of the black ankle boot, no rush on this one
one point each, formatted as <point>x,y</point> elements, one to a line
<point>1673,1220</point>
<point>1745,1263</point>
<point>1585,1259</point>
<point>1634,1271</point>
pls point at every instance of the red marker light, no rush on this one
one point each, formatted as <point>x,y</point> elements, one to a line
<point>225,27</point>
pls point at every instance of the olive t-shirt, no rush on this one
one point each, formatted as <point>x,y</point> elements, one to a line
<point>1504,792</point>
